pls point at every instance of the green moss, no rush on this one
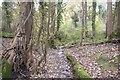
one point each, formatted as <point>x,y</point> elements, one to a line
<point>109,66</point>
<point>79,71</point>
<point>104,60</point>
<point>6,70</point>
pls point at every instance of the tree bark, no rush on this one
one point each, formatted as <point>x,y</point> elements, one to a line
<point>82,32</point>
<point>42,21</point>
<point>53,15</point>
<point>86,29</point>
<point>93,18</point>
<point>109,18</point>
<point>118,22</point>
<point>59,15</point>
<point>22,41</point>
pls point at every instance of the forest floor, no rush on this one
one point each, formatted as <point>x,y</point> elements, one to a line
<point>100,60</point>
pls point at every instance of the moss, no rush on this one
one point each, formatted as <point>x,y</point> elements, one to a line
<point>102,59</point>
<point>6,70</point>
<point>79,71</point>
<point>109,66</point>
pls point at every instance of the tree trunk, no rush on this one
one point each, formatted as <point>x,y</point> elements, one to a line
<point>49,13</point>
<point>43,31</point>
<point>109,19</point>
<point>22,41</point>
<point>59,15</point>
<point>82,32</point>
<point>86,29</point>
<point>93,18</point>
<point>52,25</point>
<point>42,21</point>
<point>118,23</point>
<point>118,19</point>
<point>53,15</point>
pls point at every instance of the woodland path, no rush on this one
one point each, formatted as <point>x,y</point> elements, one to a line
<point>98,60</point>
<point>57,65</point>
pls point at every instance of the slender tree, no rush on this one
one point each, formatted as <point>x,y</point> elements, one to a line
<point>43,31</point>
<point>42,7</point>
<point>59,14</point>
<point>86,29</point>
<point>53,15</point>
<point>93,18</point>
<point>83,14</point>
<point>52,24</point>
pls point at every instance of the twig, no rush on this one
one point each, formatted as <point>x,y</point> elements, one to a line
<point>4,46</point>
<point>5,52</point>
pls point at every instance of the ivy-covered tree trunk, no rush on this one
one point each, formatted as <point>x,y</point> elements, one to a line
<point>109,18</point>
<point>59,15</point>
<point>93,18</point>
<point>22,43</point>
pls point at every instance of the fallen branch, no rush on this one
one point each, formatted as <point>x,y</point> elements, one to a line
<point>89,43</point>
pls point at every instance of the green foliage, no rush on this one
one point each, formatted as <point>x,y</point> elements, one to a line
<point>6,34</point>
<point>68,36</point>
<point>6,70</point>
<point>60,35</point>
<point>75,19</point>
<point>7,16</point>
<point>115,34</point>
<point>78,69</point>
<point>100,37</point>
<point>60,38</point>
<point>102,11</point>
